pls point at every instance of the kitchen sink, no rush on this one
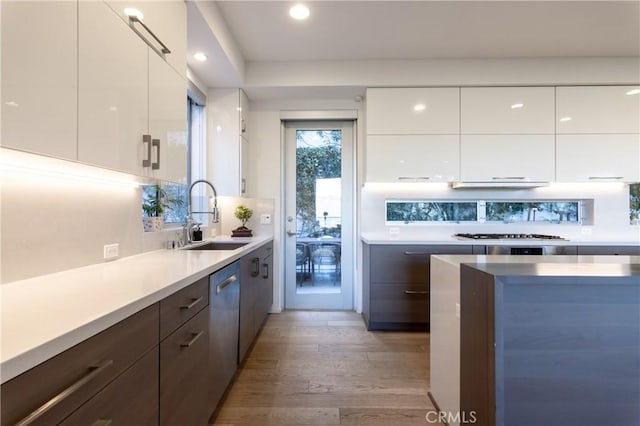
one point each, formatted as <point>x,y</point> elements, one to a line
<point>218,246</point>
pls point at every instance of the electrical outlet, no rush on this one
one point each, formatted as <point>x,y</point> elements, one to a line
<point>265,219</point>
<point>111,251</point>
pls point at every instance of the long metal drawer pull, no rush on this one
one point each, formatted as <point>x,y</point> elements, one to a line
<point>195,337</point>
<point>225,283</point>
<point>416,253</point>
<point>147,161</point>
<point>256,262</point>
<point>192,304</point>
<point>606,177</point>
<point>94,371</point>
<point>508,178</point>
<point>156,143</point>
<point>413,178</point>
<point>164,50</point>
<point>266,268</point>
<point>416,292</point>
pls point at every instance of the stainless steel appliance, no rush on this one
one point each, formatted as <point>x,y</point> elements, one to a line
<point>537,247</point>
<point>508,237</point>
<point>532,250</point>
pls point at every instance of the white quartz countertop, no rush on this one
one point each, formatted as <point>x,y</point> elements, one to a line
<point>43,316</point>
<point>379,238</point>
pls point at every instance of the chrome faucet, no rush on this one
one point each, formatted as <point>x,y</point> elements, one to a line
<point>190,223</point>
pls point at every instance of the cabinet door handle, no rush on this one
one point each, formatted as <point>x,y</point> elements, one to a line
<point>244,186</point>
<point>508,178</point>
<point>416,292</point>
<point>94,371</point>
<point>193,303</point>
<point>156,165</point>
<point>413,178</point>
<point>256,263</point>
<point>224,284</point>
<point>266,269</point>
<point>163,48</point>
<point>195,337</point>
<point>146,139</point>
<point>606,177</point>
<point>416,253</point>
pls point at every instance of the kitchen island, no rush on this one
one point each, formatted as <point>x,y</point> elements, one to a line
<point>545,339</point>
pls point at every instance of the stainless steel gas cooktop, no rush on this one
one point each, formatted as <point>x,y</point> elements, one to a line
<point>508,237</point>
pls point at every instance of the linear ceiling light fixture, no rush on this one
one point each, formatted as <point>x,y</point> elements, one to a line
<point>299,12</point>
<point>200,57</point>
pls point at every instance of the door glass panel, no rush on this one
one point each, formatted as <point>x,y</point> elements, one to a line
<point>318,211</point>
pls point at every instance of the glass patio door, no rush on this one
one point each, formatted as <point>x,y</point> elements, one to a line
<point>319,214</point>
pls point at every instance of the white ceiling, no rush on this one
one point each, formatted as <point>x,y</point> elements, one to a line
<point>358,30</point>
<point>262,32</point>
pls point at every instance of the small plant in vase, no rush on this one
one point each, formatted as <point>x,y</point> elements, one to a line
<point>243,214</point>
<point>154,203</point>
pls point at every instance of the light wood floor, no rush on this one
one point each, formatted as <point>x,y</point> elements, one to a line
<point>324,368</point>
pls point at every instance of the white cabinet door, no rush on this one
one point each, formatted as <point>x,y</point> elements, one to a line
<point>167,19</point>
<point>113,91</point>
<point>598,109</point>
<point>598,158</point>
<point>39,77</point>
<point>168,120</point>
<point>421,158</point>
<point>245,166</point>
<point>413,111</point>
<point>224,134</point>
<point>507,110</point>
<point>507,158</point>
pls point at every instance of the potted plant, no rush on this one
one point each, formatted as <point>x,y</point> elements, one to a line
<point>243,214</point>
<point>154,203</point>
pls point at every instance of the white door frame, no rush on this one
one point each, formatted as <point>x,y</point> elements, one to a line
<point>322,118</point>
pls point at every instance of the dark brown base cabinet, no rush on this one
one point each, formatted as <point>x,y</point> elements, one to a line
<point>126,374</point>
<point>102,366</point>
<point>396,284</point>
<point>256,296</point>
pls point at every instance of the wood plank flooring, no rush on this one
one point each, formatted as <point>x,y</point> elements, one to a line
<point>324,368</point>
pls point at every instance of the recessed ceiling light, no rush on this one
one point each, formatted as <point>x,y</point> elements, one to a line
<point>419,107</point>
<point>200,57</point>
<point>132,11</point>
<point>633,92</point>
<point>11,103</point>
<point>566,119</point>
<point>516,106</point>
<point>299,11</point>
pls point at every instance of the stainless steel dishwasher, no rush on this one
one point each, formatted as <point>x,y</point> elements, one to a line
<point>224,304</point>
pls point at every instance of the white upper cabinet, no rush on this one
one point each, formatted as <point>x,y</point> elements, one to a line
<point>412,158</point>
<point>168,120</point>
<point>507,158</point>
<point>413,111</point>
<point>598,109</point>
<point>113,91</point>
<point>507,110</point>
<point>598,158</point>
<point>39,77</point>
<point>167,20</point>
<point>230,168</point>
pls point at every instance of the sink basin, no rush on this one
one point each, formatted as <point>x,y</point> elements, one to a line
<point>218,246</point>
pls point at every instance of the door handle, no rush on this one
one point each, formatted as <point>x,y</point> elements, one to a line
<point>291,233</point>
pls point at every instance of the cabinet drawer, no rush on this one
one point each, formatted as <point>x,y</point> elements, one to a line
<point>407,263</point>
<point>183,373</point>
<point>398,303</point>
<point>131,399</point>
<point>176,309</point>
<point>86,368</point>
